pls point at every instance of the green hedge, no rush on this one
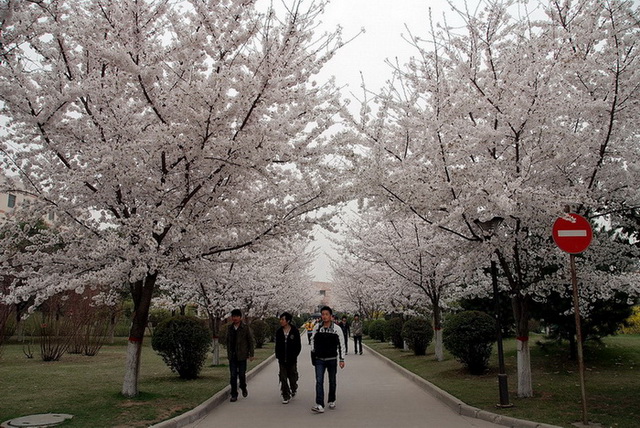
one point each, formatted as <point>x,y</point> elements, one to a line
<point>376,329</point>
<point>393,332</point>
<point>418,333</point>
<point>469,336</point>
<point>261,332</point>
<point>183,343</point>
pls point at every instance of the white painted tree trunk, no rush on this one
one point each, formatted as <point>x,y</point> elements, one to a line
<point>525,387</point>
<point>216,351</point>
<point>438,341</point>
<point>132,369</point>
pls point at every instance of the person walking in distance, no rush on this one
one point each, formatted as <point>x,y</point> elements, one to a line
<point>356,332</point>
<point>240,347</point>
<point>309,325</point>
<point>288,346</point>
<point>344,325</point>
<point>327,352</point>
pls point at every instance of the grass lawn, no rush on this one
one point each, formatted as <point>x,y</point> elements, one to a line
<point>89,387</point>
<point>612,381</point>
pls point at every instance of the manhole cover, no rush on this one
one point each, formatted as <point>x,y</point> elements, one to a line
<point>42,420</point>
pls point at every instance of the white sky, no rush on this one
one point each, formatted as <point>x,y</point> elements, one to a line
<point>385,22</point>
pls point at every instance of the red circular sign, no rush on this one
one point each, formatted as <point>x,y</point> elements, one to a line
<point>572,236</point>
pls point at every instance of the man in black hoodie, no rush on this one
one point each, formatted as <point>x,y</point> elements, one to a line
<point>288,348</point>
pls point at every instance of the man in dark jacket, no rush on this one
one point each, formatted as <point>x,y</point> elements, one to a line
<point>288,348</point>
<point>344,325</point>
<point>240,346</point>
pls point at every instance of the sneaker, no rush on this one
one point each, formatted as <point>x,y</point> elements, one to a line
<point>293,393</point>
<point>332,404</point>
<point>285,401</point>
<point>233,399</point>
<point>317,408</point>
<point>245,392</point>
<point>360,353</point>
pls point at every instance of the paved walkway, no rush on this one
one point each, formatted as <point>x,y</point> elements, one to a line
<point>370,394</point>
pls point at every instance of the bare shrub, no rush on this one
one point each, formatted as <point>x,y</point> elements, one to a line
<point>57,332</point>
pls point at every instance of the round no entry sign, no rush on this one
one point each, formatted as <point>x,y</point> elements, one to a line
<point>572,236</point>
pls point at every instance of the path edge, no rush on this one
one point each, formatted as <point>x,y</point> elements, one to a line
<point>457,405</point>
<point>203,409</point>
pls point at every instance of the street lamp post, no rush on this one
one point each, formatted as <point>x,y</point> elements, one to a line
<point>489,227</point>
<point>502,373</point>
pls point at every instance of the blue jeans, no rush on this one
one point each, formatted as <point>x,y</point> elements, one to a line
<point>238,369</point>
<point>331,366</point>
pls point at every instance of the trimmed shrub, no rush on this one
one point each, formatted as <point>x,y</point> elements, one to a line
<point>469,336</point>
<point>260,332</point>
<point>376,329</point>
<point>183,343</point>
<point>365,327</point>
<point>418,333</point>
<point>393,332</point>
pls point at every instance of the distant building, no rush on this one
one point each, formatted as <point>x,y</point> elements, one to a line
<point>10,201</point>
<point>323,295</point>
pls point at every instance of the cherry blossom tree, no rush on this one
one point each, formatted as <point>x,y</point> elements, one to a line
<point>362,287</point>
<point>161,133</point>
<point>510,119</point>
<point>424,266</point>
<point>262,283</point>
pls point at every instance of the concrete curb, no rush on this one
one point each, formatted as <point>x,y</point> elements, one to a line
<point>459,406</point>
<point>203,409</point>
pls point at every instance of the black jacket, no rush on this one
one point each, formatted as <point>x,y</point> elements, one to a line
<point>240,342</point>
<point>288,348</point>
<point>327,342</point>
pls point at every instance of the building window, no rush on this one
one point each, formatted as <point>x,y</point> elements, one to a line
<point>12,201</point>
<point>52,216</point>
<point>323,292</point>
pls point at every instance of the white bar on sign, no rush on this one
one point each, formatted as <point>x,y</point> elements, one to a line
<point>568,233</point>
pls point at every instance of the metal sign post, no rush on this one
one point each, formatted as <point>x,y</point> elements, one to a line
<point>574,236</point>
<point>574,283</point>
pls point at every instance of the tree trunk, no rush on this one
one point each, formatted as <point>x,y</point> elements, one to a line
<point>19,321</point>
<point>438,343</point>
<point>216,351</point>
<point>113,321</point>
<point>520,305</point>
<point>214,324</point>
<point>132,369</point>
<point>525,387</point>
<point>521,314</point>
<point>19,329</point>
<point>437,333</point>
<point>142,292</point>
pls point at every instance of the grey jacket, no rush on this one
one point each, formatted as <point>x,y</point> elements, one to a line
<point>356,328</point>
